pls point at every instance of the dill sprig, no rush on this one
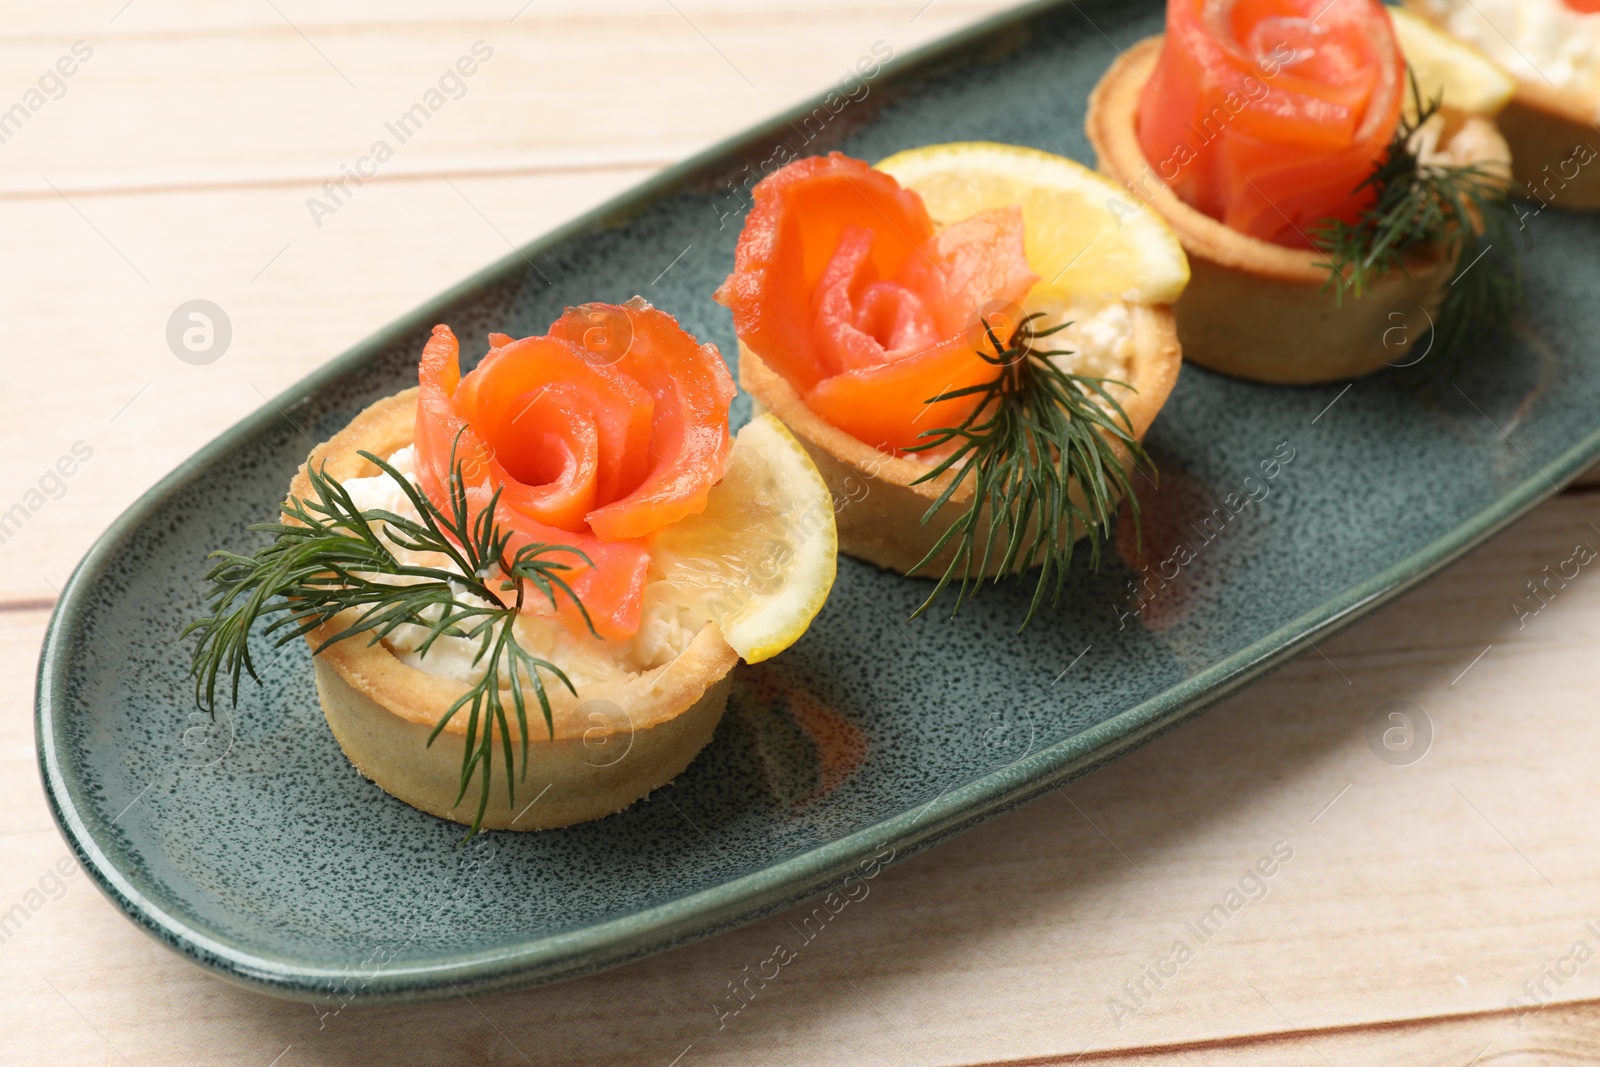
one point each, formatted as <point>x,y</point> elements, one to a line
<point>1037,432</point>
<point>1463,207</point>
<point>330,557</point>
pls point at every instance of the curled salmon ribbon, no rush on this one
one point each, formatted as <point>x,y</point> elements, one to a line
<point>610,427</point>
<point>842,285</point>
<point>1269,114</point>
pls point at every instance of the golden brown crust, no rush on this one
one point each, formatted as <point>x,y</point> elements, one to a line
<point>1553,145</point>
<point>1259,310</point>
<point>1543,126</point>
<point>880,512</point>
<point>614,742</point>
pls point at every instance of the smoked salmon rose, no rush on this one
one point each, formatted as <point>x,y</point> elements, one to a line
<point>1317,215</point>
<point>1269,114</point>
<point>608,428</point>
<point>888,316</point>
<point>842,285</point>
<point>560,555</point>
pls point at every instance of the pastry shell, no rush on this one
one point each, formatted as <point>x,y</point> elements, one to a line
<point>878,509</point>
<point>1546,127</point>
<point>614,742</point>
<point>1258,310</point>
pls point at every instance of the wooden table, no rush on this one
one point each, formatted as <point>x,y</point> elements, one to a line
<point>1440,913</point>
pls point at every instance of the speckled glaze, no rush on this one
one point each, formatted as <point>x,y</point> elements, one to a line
<point>253,847</point>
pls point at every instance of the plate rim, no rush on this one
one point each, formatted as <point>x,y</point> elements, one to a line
<point>553,957</point>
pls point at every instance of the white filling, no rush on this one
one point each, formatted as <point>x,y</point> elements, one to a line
<point>1099,335</point>
<point>665,630</point>
<point>1538,40</point>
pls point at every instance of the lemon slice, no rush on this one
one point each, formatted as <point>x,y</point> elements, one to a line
<point>1084,233</point>
<point>1469,80</point>
<point>760,560</point>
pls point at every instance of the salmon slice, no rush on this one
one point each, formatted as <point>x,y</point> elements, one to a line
<point>842,285</point>
<point>539,403</point>
<point>1269,114</point>
<point>611,585</point>
<point>685,391</point>
<point>802,212</point>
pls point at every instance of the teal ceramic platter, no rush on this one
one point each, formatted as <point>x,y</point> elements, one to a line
<point>253,848</point>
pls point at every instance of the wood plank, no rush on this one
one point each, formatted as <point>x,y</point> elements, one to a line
<point>296,296</point>
<point>276,103</point>
<point>1431,890</point>
<point>1560,1034</point>
<point>23,809</point>
<point>119,18</point>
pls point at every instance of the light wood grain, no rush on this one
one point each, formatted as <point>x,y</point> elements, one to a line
<point>1418,899</point>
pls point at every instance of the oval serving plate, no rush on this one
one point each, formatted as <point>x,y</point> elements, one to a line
<point>252,847</point>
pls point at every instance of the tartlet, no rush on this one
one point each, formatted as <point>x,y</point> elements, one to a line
<point>561,554</point>
<point>382,710</point>
<point>1260,310</point>
<point>1551,132</point>
<point>863,328</point>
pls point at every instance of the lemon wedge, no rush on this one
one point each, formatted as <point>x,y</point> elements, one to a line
<point>761,558</point>
<point>1469,80</point>
<point>1084,233</point>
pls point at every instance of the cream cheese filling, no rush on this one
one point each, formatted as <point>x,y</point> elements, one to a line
<point>1098,334</point>
<point>1537,40</point>
<point>666,628</point>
